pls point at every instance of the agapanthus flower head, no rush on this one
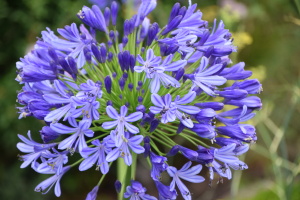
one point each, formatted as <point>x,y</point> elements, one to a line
<point>132,94</point>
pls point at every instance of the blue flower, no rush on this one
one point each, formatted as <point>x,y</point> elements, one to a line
<point>137,192</point>
<point>90,90</point>
<point>205,78</point>
<point>121,120</point>
<point>186,174</point>
<point>48,134</point>
<point>183,39</point>
<point>123,150</point>
<point>76,140</point>
<point>93,18</point>
<point>145,8</point>
<point>76,42</point>
<point>54,163</point>
<point>34,150</point>
<point>158,166</point>
<point>170,110</point>
<point>48,183</point>
<point>96,155</point>
<point>164,191</point>
<point>219,39</point>
<point>150,65</point>
<point>191,21</point>
<point>92,195</point>
<point>61,97</point>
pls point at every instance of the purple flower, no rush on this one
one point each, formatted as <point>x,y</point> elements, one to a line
<point>220,40</point>
<point>96,155</point>
<point>158,166</point>
<point>123,150</point>
<point>186,174</point>
<point>145,8</point>
<point>204,77</point>
<point>90,90</point>
<point>61,97</point>
<point>137,192</point>
<point>121,120</point>
<point>54,163</point>
<point>183,39</point>
<point>252,86</point>
<point>77,138</point>
<point>76,42</point>
<point>150,65</point>
<point>170,110</point>
<point>34,150</point>
<point>236,72</point>
<point>191,21</point>
<point>48,183</point>
<point>93,18</point>
<point>48,134</point>
<point>164,191</point>
<point>162,78</point>
<point>92,195</point>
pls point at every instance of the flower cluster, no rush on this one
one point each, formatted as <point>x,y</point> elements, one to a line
<point>133,95</point>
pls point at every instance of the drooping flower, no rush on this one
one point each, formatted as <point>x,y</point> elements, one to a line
<point>48,183</point>
<point>205,78</point>
<point>92,195</point>
<point>186,174</point>
<point>158,166</point>
<point>76,140</point>
<point>34,150</point>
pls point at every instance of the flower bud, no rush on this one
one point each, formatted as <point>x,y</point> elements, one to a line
<point>212,105</point>
<point>146,146</point>
<point>110,56</point>
<point>48,134</point>
<point>103,52</point>
<point>118,186</point>
<point>179,74</point>
<point>173,151</point>
<point>182,11</point>
<point>107,16</point>
<point>233,94</point>
<point>87,54</point>
<point>132,63</point>
<point>131,24</point>
<point>154,125</point>
<point>174,12</point>
<point>112,35</point>
<point>114,13</point>
<point>130,87</point>
<point>109,43</point>
<point>124,41</point>
<point>53,55</point>
<point>109,103</point>
<point>96,52</point>
<point>127,104</point>
<point>172,25</point>
<point>140,108</point>
<point>126,27</point>
<point>107,83</point>
<point>122,83</point>
<point>140,99</point>
<point>114,75</point>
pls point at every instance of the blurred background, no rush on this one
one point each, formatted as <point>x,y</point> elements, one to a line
<point>267,34</point>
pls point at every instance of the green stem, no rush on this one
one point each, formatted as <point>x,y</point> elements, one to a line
<point>102,177</point>
<point>77,162</point>
<point>133,165</point>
